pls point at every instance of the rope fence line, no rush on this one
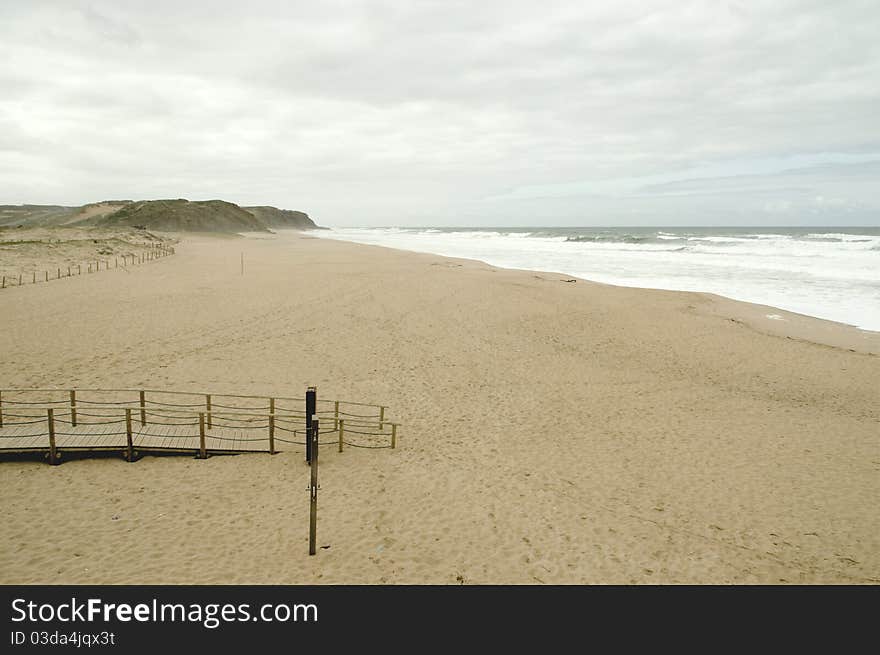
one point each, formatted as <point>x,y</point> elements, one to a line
<point>178,427</point>
<point>152,251</point>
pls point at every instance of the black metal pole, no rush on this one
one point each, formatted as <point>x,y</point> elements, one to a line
<point>311,402</point>
<point>314,431</point>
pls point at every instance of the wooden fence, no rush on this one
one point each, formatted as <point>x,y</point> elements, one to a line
<point>135,421</point>
<point>154,251</point>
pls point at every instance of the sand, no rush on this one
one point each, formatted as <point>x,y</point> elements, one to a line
<point>554,432</point>
<point>39,252</point>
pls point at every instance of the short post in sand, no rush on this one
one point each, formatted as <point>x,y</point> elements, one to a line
<point>73,408</point>
<point>312,438</point>
<point>143,408</point>
<point>1,409</point>
<point>129,450</point>
<point>202,453</point>
<point>50,418</point>
<point>311,404</point>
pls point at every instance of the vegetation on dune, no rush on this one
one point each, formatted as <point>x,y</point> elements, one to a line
<point>173,215</point>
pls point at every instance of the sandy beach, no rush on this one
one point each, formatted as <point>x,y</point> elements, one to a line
<point>553,431</point>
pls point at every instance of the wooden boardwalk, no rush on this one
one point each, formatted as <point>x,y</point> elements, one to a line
<point>145,439</point>
<point>136,422</point>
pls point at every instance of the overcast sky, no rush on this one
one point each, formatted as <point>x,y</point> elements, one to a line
<point>450,113</point>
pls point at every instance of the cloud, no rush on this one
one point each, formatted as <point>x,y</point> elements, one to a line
<point>434,112</point>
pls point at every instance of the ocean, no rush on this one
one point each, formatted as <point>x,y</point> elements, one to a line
<point>831,273</point>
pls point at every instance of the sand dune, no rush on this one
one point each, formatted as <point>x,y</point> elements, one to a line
<point>553,432</point>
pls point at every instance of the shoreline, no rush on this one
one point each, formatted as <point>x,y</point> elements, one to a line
<point>656,261</point>
<point>552,432</point>
<point>812,329</point>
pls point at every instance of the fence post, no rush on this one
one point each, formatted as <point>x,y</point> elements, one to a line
<point>73,408</point>
<point>34,280</point>
<point>143,409</point>
<point>381,418</point>
<point>336,415</point>
<point>311,404</point>
<point>394,435</point>
<point>129,453</point>
<point>51,421</point>
<point>47,275</point>
<point>1,409</point>
<point>312,438</point>
<point>208,408</point>
<point>68,271</point>
<point>341,432</point>
<point>272,434</point>
<point>202,454</point>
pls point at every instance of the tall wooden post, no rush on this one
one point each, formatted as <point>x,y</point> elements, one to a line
<point>311,405</point>
<point>68,271</point>
<point>129,451</point>
<point>271,426</point>
<point>336,415</point>
<point>394,435</point>
<point>208,408</point>
<point>202,454</point>
<point>341,432</point>
<point>381,418</point>
<point>73,408</point>
<point>1,409</point>
<point>51,420</point>
<point>143,409</point>
<point>312,438</point>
